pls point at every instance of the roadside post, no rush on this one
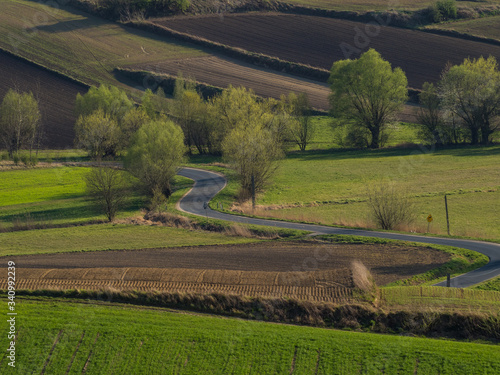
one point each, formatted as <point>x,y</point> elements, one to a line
<point>429,221</point>
<point>447,220</point>
<point>205,207</point>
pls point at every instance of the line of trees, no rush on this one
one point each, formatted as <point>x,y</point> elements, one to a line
<point>463,107</point>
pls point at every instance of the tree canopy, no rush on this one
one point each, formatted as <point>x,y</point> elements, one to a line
<point>471,91</point>
<point>155,153</point>
<point>19,120</point>
<point>367,91</point>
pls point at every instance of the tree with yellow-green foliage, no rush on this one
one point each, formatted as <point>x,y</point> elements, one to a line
<point>368,92</point>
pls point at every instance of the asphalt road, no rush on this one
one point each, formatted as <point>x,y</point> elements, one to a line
<point>208,184</point>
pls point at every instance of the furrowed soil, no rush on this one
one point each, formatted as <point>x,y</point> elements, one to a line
<point>56,97</point>
<point>319,41</point>
<point>313,271</point>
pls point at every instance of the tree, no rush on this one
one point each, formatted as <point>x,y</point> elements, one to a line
<point>236,106</point>
<point>429,115</point>
<point>367,91</point>
<point>390,206</point>
<point>302,129</point>
<point>252,150</point>
<point>155,153</point>
<point>110,99</point>
<point>471,92</point>
<point>19,121</point>
<point>130,123</point>
<point>98,134</point>
<point>108,189</point>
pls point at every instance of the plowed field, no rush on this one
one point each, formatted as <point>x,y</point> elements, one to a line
<point>56,97</point>
<point>318,41</point>
<point>222,72</point>
<point>299,270</point>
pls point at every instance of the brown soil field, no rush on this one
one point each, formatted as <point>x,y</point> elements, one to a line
<point>56,97</point>
<point>301,270</point>
<point>318,41</point>
<point>222,71</point>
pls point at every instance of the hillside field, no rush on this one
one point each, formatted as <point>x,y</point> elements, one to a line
<point>61,337</point>
<point>487,27</point>
<point>331,187</point>
<point>319,41</point>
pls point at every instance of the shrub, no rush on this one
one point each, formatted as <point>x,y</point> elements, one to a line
<point>444,10</point>
<point>390,206</point>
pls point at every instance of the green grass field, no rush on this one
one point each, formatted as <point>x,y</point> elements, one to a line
<point>52,196</point>
<point>380,5</point>
<point>84,47</point>
<point>60,337</point>
<point>422,298</point>
<point>106,237</point>
<point>493,284</point>
<point>331,187</point>
<point>487,27</point>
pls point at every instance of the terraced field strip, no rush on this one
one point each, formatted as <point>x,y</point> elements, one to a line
<point>222,72</point>
<point>325,286</point>
<point>319,41</point>
<point>411,298</point>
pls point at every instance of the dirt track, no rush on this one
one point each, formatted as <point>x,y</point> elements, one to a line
<point>317,41</point>
<point>56,97</point>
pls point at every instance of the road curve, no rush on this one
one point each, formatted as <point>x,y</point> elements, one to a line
<point>207,184</point>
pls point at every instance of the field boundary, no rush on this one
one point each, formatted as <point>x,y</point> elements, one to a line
<point>45,68</point>
<point>457,34</point>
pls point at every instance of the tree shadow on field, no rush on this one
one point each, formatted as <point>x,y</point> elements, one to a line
<point>68,26</point>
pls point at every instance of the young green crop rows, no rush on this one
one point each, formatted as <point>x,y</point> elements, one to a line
<point>72,338</point>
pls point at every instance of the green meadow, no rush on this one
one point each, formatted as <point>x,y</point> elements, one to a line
<point>57,337</point>
<point>331,187</point>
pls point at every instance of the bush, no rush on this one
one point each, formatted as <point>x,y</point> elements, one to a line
<point>443,10</point>
<point>390,206</point>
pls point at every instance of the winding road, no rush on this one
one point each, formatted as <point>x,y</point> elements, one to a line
<point>207,184</point>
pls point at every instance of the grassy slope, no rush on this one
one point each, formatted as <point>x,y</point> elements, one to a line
<point>330,187</point>
<point>51,195</point>
<point>119,338</point>
<point>106,237</point>
<point>493,284</point>
<point>487,27</point>
<point>85,47</point>
<point>364,5</point>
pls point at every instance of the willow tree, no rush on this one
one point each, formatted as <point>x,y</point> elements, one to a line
<point>19,121</point>
<point>367,91</point>
<point>471,91</point>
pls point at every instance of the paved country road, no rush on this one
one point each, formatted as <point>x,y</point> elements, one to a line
<point>208,184</point>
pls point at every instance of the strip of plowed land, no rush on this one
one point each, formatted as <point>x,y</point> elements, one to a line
<point>319,41</point>
<point>294,269</point>
<point>222,72</point>
<point>56,97</point>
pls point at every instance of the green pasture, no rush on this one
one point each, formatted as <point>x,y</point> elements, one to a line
<point>82,46</point>
<point>486,27</point>
<point>52,196</point>
<point>106,237</point>
<point>61,337</point>
<point>431,298</point>
<point>493,284</point>
<point>379,5</point>
<point>330,187</point>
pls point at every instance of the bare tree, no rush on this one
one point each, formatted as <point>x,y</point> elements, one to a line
<point>302,129</point>
<point>107,187</point>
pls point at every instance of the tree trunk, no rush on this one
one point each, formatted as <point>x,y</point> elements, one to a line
<point>375,130</point>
